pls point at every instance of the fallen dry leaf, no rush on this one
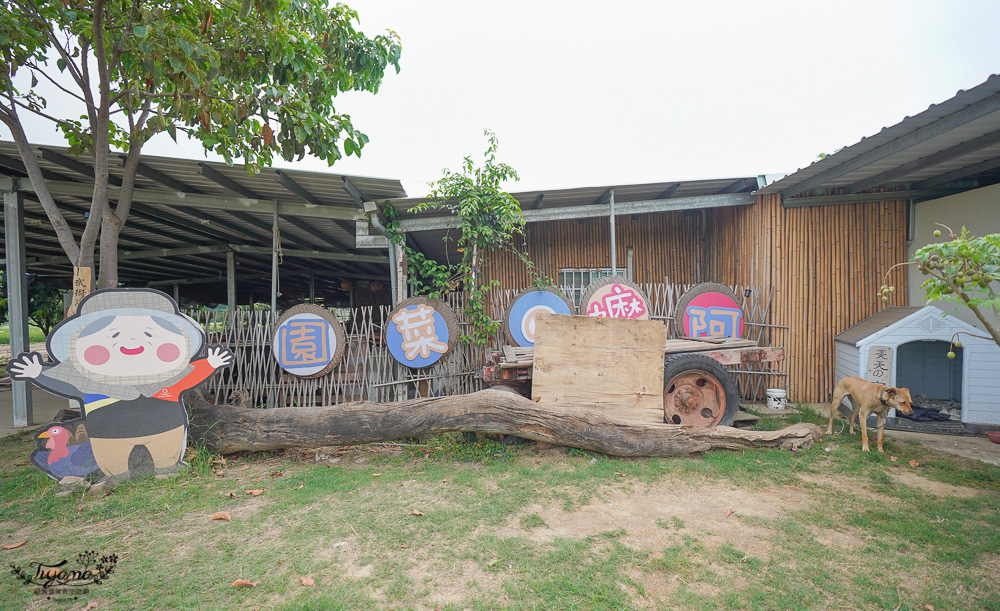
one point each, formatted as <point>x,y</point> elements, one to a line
<point>418,473</point>
<point>222,515</point>
<point>416,513</point>
<point>914,463</point>
<point>220,474</point>
<point>403,546</point>
<point>79,508</point>
<point>233,495</point>
<point>307,581</point>
<point>928,607</point>
<point>255,492</point>
<point>218,461</point>
<point>426,455</point>
<point>13,545</point>
<point>376,474</point>
<point>277,474</point>
<point>243,582</point>
<point>729,513</point>
<point>438,448</point>
<point>619,473</point>
<point>299,487</point>
<point>244,467</point>
<point>91,605</point>
<point>308,456</point>
<point>893,458</point>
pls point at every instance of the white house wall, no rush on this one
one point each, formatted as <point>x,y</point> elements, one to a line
<point>976,210</point>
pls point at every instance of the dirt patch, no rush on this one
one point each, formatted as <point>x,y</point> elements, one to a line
<point>845,484</point>
<point>455,583</point>
<point>657,516</point>
<point>936,488</point>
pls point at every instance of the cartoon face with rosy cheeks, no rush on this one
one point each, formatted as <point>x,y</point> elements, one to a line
<point>132,345</point>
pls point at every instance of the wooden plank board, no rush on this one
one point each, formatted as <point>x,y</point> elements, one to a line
<point>675,346</point>
<point>607,364</point>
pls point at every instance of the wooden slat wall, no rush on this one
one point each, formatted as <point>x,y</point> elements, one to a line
<point>661,248</point>
<point>826,264</point>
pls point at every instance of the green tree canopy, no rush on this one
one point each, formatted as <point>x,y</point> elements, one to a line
<point>249,79</point>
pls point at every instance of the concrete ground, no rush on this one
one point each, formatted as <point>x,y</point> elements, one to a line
<point>45,406</point>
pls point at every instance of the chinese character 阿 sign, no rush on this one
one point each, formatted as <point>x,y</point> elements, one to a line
<point>306,341</point>
<point>617,301</point>
<point>713,315</point>
<point>879,364</point>
<point>417,335</point>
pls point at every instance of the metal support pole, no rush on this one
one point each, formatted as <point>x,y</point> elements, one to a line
<point>312,286</point>
<point>177,294</point>
<point>231,281</point>
<point>275,246</point>
<point>17,300</point>
<point>614,252</point>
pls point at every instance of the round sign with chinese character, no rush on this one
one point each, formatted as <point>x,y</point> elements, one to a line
<point>308,341</point>
<point>519,325</point>
<point>709,309</point>
<point>614,297</point>
<point>421,331</point>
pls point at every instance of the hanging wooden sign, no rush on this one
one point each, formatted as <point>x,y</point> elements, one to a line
<point>127,356</point>
<point>615,297</point>
<point>709,309</point>
<point>308,341</point>
<point>519,324</point>
<point>421,331</point>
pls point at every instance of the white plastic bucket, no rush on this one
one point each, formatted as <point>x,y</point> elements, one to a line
<point>776,398</point>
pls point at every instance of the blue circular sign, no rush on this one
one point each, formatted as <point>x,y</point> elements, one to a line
<point>304,344</point>
<point>417,336</point>
<point>521,320</point>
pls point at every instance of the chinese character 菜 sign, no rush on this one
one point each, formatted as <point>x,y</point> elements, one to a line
<point>417,335</point>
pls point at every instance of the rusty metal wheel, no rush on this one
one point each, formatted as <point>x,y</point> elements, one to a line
<point>698,391</point>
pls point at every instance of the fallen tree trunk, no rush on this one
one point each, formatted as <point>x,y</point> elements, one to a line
<point>226,429</point>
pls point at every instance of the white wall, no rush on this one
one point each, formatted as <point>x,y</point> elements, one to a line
<point>979,210</point>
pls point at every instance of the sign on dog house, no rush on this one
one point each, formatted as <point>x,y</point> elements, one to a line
<point>910,345</point>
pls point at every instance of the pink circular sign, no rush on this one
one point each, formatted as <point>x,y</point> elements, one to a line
<point>713,315</point>
<point>617,301</point>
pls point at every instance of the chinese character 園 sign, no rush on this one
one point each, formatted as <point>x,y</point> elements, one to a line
<point>306,341</point>
<point>713,315</point>
<point>525,309</point>
<point>880,365</point>
<point>617,301</point>
<point>417,334</point>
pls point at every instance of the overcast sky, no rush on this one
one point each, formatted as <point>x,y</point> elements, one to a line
<point>608,93</point>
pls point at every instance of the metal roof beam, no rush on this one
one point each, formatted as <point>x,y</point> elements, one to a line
<point>18,166</point>
<point>982,166</point>
<point>288,183</point>
<point>942,125</point>
<point>925,162</point>
<point>314,254</point>
<point>222,180</point>
<point>354,192</point>
<point>77,166</point>
<point>324,238</point>
<point>130,255</point>
<point>736,187</point>
<point>263,276</point>
<point>535,205</point>
<point>604,198</point>
<point>672,191</point>
<point>603,210</point>
<point>864,198</point>
<point>180,199</point>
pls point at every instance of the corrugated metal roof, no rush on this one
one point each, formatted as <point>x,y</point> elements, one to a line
<point>440,244</point>
<point>582,196</point>
<point>914,146</point>
<point>875,323</point>
<point>159,226</point>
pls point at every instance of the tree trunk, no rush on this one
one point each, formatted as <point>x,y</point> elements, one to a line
<point>228,429</point>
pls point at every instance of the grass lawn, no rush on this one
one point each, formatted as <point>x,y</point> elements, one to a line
<point>454,525</point>
<point>34,334</point>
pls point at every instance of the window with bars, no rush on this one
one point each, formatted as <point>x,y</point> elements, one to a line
<point>572,281</point>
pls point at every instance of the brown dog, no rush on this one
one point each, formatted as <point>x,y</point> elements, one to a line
<point>867,398</point>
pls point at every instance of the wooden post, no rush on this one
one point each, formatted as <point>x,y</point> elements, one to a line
<point>17,299</point>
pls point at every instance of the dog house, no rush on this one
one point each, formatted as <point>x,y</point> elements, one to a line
<point>908,347</point>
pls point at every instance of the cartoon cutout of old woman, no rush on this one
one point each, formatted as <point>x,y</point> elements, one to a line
<point>127,356</point>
